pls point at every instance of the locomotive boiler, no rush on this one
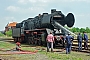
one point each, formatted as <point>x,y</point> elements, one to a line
<point>35,30</point>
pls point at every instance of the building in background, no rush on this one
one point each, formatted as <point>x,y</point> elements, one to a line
<point>10,26</point>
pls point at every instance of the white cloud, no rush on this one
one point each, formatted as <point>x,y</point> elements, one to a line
<point>28,10</point>
<point>77,1</point>
<point>88,1</point>
<point>32,10</point>
<point>82,15</point>
<point>42,1</point>
<point>5,20</point>
<point>23,1</point>
<point>9,18</point>
<point>33,1</point>
<point>12,8</point>
<point>36,9</point>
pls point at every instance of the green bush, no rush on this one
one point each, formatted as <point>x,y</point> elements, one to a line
<point>9,33</point>
<point>1,34</point>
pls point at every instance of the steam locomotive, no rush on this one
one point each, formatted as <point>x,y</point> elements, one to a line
<point>35,30</point>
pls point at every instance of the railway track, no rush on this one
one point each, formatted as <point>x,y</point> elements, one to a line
<point>74,45</point>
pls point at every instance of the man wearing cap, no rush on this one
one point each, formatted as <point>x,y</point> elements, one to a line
<point>50,40</point>
<point>68,40</point>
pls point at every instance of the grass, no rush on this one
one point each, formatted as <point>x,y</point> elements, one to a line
<point>63,56</point>
<point>6,45</point>
<point>88,35</point>
<point>42,54</point>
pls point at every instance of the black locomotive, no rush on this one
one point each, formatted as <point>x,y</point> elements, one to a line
<point>35,30</point>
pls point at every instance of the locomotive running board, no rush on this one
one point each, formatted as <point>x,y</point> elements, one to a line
<point>59,26</point>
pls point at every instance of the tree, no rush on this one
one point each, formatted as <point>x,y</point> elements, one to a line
<point>73,29</point>
<point>9,33</point>
<point>1,34</point>
<point>82,30</point>
<point>87,30</point>
<point>77,29</point>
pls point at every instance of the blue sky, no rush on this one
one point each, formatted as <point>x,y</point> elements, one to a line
<point>18,10</point>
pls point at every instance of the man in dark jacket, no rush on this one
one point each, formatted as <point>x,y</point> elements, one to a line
<point>85,41</point>
<point>79,38</point>
<point>68,40</point>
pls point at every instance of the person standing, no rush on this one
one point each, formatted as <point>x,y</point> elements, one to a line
<point>50,40</point>
<point>85,41</point>
<point>68,41</point>
<point>79,38</point>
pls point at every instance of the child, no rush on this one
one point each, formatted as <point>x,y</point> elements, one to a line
<point>18,46</point>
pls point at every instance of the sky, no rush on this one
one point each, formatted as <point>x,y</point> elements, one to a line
<point>19,10</point>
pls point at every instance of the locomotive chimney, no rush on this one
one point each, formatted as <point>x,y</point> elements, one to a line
<point>53,10</point>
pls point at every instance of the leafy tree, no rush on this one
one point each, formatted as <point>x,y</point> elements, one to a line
<point>77,29</point>
<point>82,30</point>
<point>74,29</point>
<point>9,33</point>
<point>1,34</point>
<point>87,30</point>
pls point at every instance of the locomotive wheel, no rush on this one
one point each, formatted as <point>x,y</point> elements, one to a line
<point>15,40</point>
<point>20,39</point>
<point>32,40</point>
<point>29,42</point>
<point>39,42</point>
<point>70,20</point>
<point>35,42</point>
